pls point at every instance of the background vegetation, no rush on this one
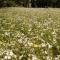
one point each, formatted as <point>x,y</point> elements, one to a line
<point>30,3</point>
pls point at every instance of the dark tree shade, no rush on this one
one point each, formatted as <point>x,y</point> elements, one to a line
<point>27,3</point>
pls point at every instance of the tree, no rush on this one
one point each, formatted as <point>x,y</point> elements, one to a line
<point>7,3</point>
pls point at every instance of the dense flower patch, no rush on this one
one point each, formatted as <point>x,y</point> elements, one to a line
<point>29,34</point>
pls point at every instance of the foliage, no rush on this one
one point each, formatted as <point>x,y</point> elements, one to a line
<point>27,3</point>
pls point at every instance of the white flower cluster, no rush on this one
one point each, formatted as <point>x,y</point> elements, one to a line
<point>9,54</point>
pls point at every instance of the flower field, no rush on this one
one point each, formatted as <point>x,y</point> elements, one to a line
<point>29,33</point>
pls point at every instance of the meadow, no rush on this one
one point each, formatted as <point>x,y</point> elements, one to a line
<point>29,33</point>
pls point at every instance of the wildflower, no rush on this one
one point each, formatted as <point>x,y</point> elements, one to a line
<point>53,32</point>
<point>29,30</point>
<point>43,45</point>
<point>35,45</point>
<point>56,58</point>
<point>29,59</point>
<point>49,18</point>
<point>54,41</point>
<point>42,34</point>
<point>15,56</point>
<point>48,58</point>
<point>49,46</point>
<point>22,34</point>
<point>30,43</point>
<point>20,56</point>
<point>45,52</point>
<point>7,33</point>
<point>34,57</point>
<point>9,52</point>
<point>20,40</point>
<point>7,57</point>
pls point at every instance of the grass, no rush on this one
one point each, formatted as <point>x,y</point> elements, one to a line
<point>29,33</point>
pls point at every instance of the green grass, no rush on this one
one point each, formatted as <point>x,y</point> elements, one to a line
<point>29,34</point>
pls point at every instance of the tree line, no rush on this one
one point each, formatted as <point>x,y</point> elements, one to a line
<point>30,3</point>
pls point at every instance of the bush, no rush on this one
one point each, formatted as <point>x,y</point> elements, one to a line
<point>7,3</point>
